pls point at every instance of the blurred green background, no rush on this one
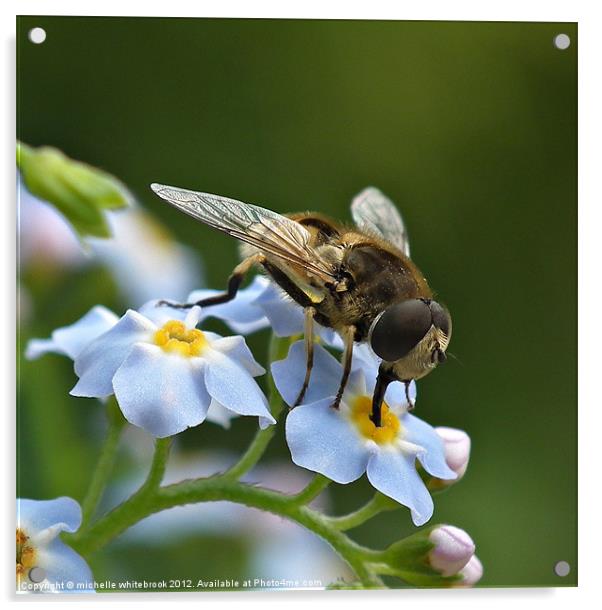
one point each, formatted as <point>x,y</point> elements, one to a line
<point>469,127</point>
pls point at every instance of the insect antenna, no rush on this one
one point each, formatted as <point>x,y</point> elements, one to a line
<point>456,358</point>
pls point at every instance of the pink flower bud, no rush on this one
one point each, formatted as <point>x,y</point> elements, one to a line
<point>453,550</point>
<point>471,573</point>
<point>456,444</point>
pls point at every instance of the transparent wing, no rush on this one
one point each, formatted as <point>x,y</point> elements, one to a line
<point>374,211</point>
<point>264,229</point>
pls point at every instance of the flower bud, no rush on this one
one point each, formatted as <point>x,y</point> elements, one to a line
<point>438,556</point>
<point>456,445</point>
<point>81,193</point>
<point>453,550</point>
<point>471,573</point>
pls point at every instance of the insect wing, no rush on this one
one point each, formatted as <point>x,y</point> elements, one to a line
<point>266,230</point>
<point>375,212</point>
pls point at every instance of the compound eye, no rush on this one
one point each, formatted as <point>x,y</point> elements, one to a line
<point>441,318</point>
<point>400,328</point>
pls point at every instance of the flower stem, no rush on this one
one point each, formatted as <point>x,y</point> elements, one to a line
<point>252,455</point>
<point>377,504</point>
<point>105,464</point>
<point>159,463</point>
<point>219,488</point>
<point>277,351</point>
<point>313,489</point>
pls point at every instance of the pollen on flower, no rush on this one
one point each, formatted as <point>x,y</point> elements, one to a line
<point>389,429</point>
<point>174,337</point>
<point>25,553</point>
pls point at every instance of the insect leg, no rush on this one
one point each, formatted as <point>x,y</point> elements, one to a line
<point>348,335</point>
<point>234,282</point>
<point>308,330</point>
<point>411,405</point>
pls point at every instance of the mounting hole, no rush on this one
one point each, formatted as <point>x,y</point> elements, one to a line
<point>37,574</point>
<point>562,568</point>
<point>37,35</point>
<point>562,41</point>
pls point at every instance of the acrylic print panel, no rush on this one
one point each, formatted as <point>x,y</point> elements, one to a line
<point>157,449</point>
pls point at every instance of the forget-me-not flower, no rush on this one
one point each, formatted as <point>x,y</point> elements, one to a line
<point>71,340</point>
<point>343,444</point>
<point>166,374</point>
<point>44,562</point>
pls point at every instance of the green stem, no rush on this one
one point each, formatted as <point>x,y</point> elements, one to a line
<point>277,351</point>
<point>159,463</point>
<point>252,455</point>
<point>313,489</point>
<point>219,488</point>
<point>105,464</point>
<point>377,504</point>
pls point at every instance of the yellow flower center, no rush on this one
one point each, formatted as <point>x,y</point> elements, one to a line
<point>389,429</point>
<point>174,337</point>
<point>25,554</point>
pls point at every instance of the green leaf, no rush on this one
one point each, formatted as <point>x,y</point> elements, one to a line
<point>79,191</point>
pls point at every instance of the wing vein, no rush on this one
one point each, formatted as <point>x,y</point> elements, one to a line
<point>266,230</point>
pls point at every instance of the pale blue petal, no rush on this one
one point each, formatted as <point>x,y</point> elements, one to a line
<point>63,565</point>
<point>396,395</point>
<point>285,316</point>
<point>322,439</point>
<point>236,349</point>
<point>159,314</point>
<point>329,336</point>
<point>71,340</point>
<point>366,360</point>
<point>40,347</point>
<point>433,458</point>
<point>34,516</point>
<point>412,392</point>
<point>162,393</point>
<point>218,414</point>
<point>211,337</point>
<point>241,314</point>
<point>356,385</point>
<point>232,386</point>
<point>193,317</point>
<point>289,374</point>
<point>97,364</point>
<point>266,422</point>
<point>394,474</point>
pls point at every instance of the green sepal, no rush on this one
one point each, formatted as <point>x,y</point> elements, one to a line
<point>423,579</point>
<point>407,559</point>
<point>411,550</point>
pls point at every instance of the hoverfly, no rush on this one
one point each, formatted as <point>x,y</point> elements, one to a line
<point>358,280</point>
